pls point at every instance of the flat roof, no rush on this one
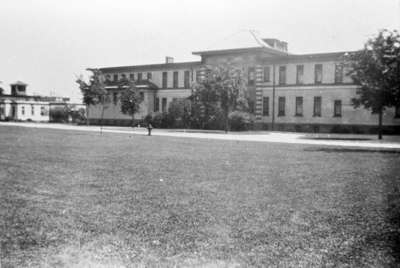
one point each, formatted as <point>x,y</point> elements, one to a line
<point>148,67</point>
<point>240,50</point>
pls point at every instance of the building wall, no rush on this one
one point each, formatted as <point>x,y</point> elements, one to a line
<point>329,90</point>
<point>23,110</point>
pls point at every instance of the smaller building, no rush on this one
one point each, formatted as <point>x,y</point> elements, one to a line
<point>19,106</point>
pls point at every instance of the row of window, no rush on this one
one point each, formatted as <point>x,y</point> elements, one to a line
<point>42,110</point>
<point>157,104</point>
<point>318,74</point>
<point>337,107</point>
<point>139,77</point>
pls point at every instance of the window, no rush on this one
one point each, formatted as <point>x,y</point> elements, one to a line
<point>175,80</point>
<point>108,77</point>
<point>1,110</point>
<point>282,75</point>
<point>299,74</point>
<point>164,105</point>
<point>267,72</point>
<point>115,98</point>
<point>23,110</point>
<point>123,76</point>
<point>281,106</point>
<point>251,76</point>
<point>265,106</point>
<point>32,109</point>
<point>149,76</point>
<point>141,94</point>
<point>318,73</point>
<point>115,78</point>
<point>339,73</point>
<point>156,104</point>
<point>317,106</point>
<point>139,77</point>
<point>299,106</point>
<point>186,81</point>
<point>42,110</point>
<point>164,79</point>
<point>397,111</point>
<point>132,76</point>
<point>337,109</point>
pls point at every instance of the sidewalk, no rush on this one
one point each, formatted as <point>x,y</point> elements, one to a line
<point>348,140</point>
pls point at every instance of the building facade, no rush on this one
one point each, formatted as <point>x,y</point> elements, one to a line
<point>308,92</point>
<point>18,106</point>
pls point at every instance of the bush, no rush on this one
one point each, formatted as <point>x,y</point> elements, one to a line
<point>239,121</point>
<point>59,115</point>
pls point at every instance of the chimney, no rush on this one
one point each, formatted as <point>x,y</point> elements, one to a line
<point>169,59</point>
<point>277,44</point>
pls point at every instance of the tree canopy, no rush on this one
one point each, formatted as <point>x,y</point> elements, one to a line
<point>222,92</point>
<point>130,98</point>
<point>93,91</point>
<point>376,69</point>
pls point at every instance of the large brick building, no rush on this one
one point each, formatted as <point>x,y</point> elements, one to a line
<point>308,92</point>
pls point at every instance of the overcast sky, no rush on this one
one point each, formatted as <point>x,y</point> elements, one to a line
<point>46,43</point>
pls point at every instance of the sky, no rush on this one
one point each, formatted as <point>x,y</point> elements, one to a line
<point>47,43</point>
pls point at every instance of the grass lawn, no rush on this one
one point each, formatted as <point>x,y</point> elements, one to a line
<point>78,199</point>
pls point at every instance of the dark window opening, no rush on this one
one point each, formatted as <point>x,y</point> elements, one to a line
<point>317,106</point>
<point>156,104</point>
<point>282,75</point>
<point>299,74</point>
<point>164,105</point>
<point>339,73</point>
<point>186,79</point>
<point>175,79</point>
<point>164,79</point>
<point>299,106</point>
<point>265,106</point>
<point>337,110</point>
<point>318,73</point>
<point>281,106</point>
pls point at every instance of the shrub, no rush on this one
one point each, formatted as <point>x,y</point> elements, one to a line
<point>239,121</point>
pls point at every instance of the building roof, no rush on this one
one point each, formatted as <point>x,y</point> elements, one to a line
<point>19,83</point>
<point>150,67</point>
<point>309,57</point>
<point>240,50</point>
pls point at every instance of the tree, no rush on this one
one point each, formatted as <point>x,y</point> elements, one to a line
<point>376,69</point>
<point>130,98</point>
<point>224,88</point>
<point>179,109</point>
<point>94,92</point>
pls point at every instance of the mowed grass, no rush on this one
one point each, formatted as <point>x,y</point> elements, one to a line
<point>79,199</point>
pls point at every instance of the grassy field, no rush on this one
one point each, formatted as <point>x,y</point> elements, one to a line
<point>76,199</point>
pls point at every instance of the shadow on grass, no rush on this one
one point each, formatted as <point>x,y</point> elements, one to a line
<point>352,150</point>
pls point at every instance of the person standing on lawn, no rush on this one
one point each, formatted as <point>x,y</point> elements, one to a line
<point>149,128</point>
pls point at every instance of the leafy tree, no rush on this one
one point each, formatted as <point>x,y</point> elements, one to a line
<point>94,92</point>
<point>180,110</point>
<point>223,89</point>
<point>130,98</point>
<point>376,69</point>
